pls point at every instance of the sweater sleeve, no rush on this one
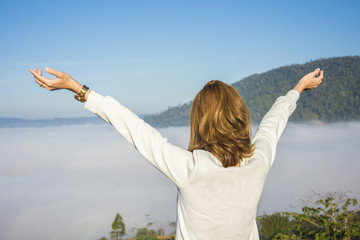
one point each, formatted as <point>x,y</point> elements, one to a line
<point>175,162</point>
<point>273,125</point>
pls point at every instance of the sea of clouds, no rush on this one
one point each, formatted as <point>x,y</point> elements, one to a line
<point>69,182</point>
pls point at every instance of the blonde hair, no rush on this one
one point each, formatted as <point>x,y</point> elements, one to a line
<point>220,124</point>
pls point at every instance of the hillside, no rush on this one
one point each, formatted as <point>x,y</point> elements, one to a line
<point>337,99</point>
<point>18,122</point>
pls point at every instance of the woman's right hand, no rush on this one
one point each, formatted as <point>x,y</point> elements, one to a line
<point>62,80</point>
<point>310,80</point>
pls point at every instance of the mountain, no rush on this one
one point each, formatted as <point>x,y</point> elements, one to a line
<point>18,122</point>
<point>336,99</point>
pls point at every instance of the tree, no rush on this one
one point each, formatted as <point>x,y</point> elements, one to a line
<point>272,225</point>
<point>118,227</point>
<point>145,234</point>
<point>148,225</point>
<point>333,215</point>
<point>173,226</point>
<point>160,232</point>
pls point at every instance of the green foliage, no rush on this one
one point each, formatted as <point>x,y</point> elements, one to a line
<point>160,232</point>
<point>118,227</point>
<point>337,99</point>
<point>281,236</point>
<point>323,216</point>
<point>173,226</point>
<point>146,234</point>
<point>174,116</point>
<point>329,216</point>
<point>271,225</point>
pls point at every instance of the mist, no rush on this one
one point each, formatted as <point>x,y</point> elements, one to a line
<point>69,182</point>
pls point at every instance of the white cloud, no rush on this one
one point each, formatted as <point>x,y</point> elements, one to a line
<point>319,157</point>
<point>69,182</point>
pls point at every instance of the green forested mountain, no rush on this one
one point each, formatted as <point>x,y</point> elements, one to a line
<point>337,99</point>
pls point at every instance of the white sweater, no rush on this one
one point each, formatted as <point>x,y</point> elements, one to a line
<point>213,202</point>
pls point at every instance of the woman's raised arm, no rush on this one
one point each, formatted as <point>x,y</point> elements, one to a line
<point>175,162</point>
<point>275,120</point>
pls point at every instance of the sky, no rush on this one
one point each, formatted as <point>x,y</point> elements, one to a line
<point>69,182</point>
<point>154,54</point>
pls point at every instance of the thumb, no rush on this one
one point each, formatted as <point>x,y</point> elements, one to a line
<point>53,72</point>
<point>317,71</point>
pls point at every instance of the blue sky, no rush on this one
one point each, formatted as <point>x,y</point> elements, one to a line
<point>153,54</point>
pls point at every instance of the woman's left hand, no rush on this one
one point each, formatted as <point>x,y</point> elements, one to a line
<point>61,81</point>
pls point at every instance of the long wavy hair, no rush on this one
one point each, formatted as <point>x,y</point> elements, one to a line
<point>220,124</point>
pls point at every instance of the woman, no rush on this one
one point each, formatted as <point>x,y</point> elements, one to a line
<point>221,176</point>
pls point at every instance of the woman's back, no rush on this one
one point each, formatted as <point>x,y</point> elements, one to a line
<point>218,202</point>
<point>221,203</point>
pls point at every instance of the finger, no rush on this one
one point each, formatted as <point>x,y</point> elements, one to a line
<point>321,76</point>
<point>39,77</point>
<point>41,84</point>
<point>54,72</point>
<point>38,71</point>
<point>316,72</point>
